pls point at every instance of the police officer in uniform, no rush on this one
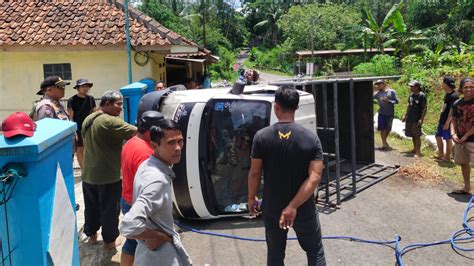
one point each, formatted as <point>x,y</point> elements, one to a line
<point>53,88</point>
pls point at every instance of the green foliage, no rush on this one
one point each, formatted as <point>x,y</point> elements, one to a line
<point>380,33</point>
<point>449,22</point>
<point>216,40</point>
<point>272,59</point>
<point>379,65</point>
<point>427,13</point>
<point>331,23</point>
<point>224,68</point>
<point>163,14</point>
<point>429,66</point>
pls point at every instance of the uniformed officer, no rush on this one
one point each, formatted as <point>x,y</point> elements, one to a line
<point>53,88</point>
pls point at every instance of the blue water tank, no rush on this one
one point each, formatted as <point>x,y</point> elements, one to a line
<point>41,221</point>
<point>150,83</point>
<point>132,94</point>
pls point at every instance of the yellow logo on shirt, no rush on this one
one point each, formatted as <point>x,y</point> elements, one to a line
<point>285,136</point>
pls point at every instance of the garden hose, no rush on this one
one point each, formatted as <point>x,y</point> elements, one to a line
<point>399,252</point>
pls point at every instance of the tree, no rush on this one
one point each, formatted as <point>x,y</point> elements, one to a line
<point>329,29</point>
<point>164,15</point>
<point>271,14</point>
<point>199,12</point>
<point>380,33</point>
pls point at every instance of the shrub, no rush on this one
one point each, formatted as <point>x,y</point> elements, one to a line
<point>224,68</point>
<point>379,65</point>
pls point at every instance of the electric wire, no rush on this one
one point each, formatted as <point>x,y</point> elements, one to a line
<point>399,252</point>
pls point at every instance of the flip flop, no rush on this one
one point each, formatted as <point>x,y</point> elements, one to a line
<point>460,192</point>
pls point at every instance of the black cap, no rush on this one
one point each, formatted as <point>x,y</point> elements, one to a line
<point>450,81</point>
<point>51,81</point>
<point>149,119</point>
<point>81,82</point>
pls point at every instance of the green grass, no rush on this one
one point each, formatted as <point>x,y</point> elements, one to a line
<point>448,170</point>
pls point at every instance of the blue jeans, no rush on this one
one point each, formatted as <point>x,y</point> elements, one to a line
<point>130,245</point>
<point>309,237</point>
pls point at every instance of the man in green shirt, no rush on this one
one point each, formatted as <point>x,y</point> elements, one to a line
<point>104,133</point>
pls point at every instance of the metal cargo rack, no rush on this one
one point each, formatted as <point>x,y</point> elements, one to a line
<point>345,126</point>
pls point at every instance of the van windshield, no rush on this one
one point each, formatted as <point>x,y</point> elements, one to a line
<point>232,126</point>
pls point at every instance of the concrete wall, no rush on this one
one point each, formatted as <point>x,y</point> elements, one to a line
<point>21,73</point>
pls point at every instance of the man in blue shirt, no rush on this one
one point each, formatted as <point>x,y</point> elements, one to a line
<point>386,98</point>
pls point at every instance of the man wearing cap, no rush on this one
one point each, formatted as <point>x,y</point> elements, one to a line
<point>386,98</point>
<point>53,88</point>
<point>104,132</point>
<point>134,152</point>
<point>79,107</point>
<point>415,115</point>
<point>443,131</point>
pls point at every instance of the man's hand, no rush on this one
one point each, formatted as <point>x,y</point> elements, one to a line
<point>159,239</point>
<point>287,217</point>
<point>253,207</point>
<point>456,139</point>
<point>420,122</point>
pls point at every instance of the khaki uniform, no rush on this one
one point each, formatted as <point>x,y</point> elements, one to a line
<point>51,108</point>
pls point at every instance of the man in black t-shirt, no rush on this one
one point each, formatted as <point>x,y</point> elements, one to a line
<point>79,107</point>
<point>415,115</point>
<point>291,159</point>
<point>443,132</point>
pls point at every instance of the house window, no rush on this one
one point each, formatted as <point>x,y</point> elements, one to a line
<point>62,70</point>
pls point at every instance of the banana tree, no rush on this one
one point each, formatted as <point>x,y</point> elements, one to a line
<point>380,33</point>
<point>405,41</point>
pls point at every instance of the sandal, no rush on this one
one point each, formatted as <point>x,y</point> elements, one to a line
<point>460,192</point>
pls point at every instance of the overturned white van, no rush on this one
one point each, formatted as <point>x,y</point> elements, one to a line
<point>219,126</point>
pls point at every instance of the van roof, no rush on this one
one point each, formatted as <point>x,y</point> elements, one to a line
<point>258,92</point>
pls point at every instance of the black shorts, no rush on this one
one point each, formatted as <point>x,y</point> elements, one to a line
<point>79,141</point>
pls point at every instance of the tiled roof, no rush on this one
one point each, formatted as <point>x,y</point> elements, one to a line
<point>93,22</point>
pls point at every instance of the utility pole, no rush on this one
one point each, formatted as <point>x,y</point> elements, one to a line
<point>312,39</point>
<point>127,36</point>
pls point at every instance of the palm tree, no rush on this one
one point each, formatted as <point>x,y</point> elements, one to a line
<point>202,12</point>
<point>271,13</point>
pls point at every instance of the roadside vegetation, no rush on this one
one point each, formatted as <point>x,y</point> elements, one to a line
<point>430,38</point>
